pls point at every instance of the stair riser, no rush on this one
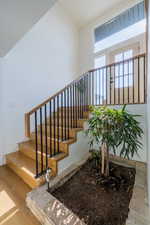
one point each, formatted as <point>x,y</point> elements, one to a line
<point>71,114</point>
<point>58,132</point>
<point>66,123</point>
<point>63,147</point>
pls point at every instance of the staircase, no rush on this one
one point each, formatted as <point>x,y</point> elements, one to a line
<point>23,161</point>
<point>53,127</point>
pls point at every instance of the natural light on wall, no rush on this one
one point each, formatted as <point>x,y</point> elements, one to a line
<point>124,35</point>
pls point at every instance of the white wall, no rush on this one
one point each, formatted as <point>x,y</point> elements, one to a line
<point>86,38</point>
<point>148,102</point>
<point>42,63</point>
<point>1,120</point>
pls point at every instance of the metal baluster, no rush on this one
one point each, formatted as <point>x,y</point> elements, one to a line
<point>114,85</point>
<point>133,78</point>
<point>71,105</point>
<point>62,118</point>
<point>75,108</point>
<point>110,84</point>
<point>68,106</point>
<point>138,80</point>
<point>128,81</point>
<point>74,105</point>
<point>50,127</point>
<point>123,82</point>
<point>58,117</point>
<point>91,88</point>
<point>106,86</point>
<point>102,86</point>
<point>54,122</point>
<point>41,140</point>
<point>46,149</point>
<point>144,80</point>
<point>118,83</point>
<point>65,114</point>
<point>36,144</point>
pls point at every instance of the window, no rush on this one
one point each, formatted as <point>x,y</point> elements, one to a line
<point>124,71</point>
<point>100,61</point>
<point>128,24</point>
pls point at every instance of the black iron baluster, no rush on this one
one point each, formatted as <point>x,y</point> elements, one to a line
<point>90,84</point>
<point>144,80</point>
<point>93,88</point>
<point>58,118</point>
<point>68,107</point>
<point>50,128</point>
<point>65,114</point>
<point>114,85</point>
<point>138,80</point>
<point>110,83</point>
<point>103,86</point>
<point>123,81</point>
<point>106,86</point>
<point>54,129</point>
<point>118,83</point>
<point>41,139</point>
<point>74,105</point>
<point>81,98</point>
<point>133,77</point>
<point>62,118</point>
<point>80,90</point>
<point>70,93</point>
<point>78,100</point>
<point>36,145</point>
<point>46,149</point>
<point>86,95</point>
<point>128,82</point>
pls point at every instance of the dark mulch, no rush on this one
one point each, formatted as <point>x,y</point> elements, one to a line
<point>98,201</point>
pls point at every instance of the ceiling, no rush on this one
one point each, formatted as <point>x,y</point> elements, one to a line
<point>84,11</point>
<point>17,17</point>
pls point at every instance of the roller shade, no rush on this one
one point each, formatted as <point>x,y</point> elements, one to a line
<point>120,22</point>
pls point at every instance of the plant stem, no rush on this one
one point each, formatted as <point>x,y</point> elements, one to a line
<point>103,159</point>
<point>107,161</point>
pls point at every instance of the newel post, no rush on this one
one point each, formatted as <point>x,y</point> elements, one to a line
<point>27,124</point>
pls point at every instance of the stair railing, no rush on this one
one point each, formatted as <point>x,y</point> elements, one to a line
<point>49,123</point>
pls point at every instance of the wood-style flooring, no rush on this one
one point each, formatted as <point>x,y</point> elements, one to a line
<point>13,190</point>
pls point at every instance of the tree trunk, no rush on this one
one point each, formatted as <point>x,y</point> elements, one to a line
<point>107,161</point>
<point>103,159</point>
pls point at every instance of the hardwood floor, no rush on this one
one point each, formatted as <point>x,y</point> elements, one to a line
<point>13,190</point>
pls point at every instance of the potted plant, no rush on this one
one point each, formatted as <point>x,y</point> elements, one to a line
<point>112,129</point>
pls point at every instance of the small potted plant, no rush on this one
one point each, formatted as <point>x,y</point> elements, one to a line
<point>112,129</point>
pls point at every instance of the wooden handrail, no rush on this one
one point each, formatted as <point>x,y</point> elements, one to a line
<point>27,115</point>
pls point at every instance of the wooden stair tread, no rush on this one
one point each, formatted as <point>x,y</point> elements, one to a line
<point>30,146</point>
<point>24,163</point>
<point>68,141</point>
<point>62,127</point>
<point>24,167</point>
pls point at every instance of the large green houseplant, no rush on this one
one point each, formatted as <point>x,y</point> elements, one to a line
<point>112,129</point>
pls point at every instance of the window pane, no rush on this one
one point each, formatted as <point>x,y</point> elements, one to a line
<point>128,54</point>
<point>119,57</point>
<point>124,71</point>
<point>100,61</point>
